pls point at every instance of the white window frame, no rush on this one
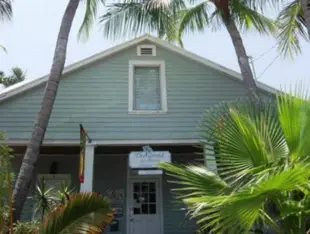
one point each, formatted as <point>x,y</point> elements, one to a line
<point>153,47</point>
<point>162,80</point>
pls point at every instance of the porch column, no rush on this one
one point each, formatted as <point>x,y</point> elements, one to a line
<point>87,186</point>
<point>209,158</point>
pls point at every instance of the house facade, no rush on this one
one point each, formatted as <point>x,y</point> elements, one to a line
<point>140,102</point>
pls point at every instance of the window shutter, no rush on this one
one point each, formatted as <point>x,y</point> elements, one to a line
<point>147,88</point>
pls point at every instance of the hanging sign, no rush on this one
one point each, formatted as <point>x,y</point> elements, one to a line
<point>148,158</point>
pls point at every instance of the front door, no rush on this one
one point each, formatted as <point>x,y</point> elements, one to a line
<point>144,207</point>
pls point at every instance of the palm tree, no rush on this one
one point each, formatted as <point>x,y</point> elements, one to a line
<point>17,76</point>
<point>33,149</point>
<point>171,19</point>
<point>262,174</point>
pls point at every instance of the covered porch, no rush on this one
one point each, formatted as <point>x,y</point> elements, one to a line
<point>143,202</point>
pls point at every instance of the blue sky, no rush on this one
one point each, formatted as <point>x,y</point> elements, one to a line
<point>30,40</point>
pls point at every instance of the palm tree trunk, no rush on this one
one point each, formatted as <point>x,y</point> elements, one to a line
<point>243,60</point>
<point>306,7</point>
<point>30,159</point>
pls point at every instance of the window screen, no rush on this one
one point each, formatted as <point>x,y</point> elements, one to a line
<point>147,88</point>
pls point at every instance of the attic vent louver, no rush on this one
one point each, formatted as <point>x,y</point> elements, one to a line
<point>146,50</point>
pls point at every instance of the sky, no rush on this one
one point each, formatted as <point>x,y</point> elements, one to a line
<point>30,40</point>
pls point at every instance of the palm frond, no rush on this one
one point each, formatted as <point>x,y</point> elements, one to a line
<point>18,74</point>
<point>248,138</point>
<point>294,112</point>
<point>239,210</point>
<point>83,213</point>
<point>291,24</point>
<point>132,18</point>
<point>248,18</point>
<point>195,180</point>
<point>193,19</point>
<point>6,11</point>
<point>89,17</point>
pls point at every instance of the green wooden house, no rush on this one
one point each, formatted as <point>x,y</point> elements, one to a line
<point>140,102</point>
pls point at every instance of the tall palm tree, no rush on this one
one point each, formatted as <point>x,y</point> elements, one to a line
<point>172,18</point>
<point>33,149</point>
<point>262,174</point>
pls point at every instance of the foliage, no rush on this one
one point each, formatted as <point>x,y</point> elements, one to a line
<point>89,17</point>
<point>171,19</point>
<point>44,199</point>
<point>26,227</point>
<point>83,213</point>
<point>5,10</point>
<point>5,167</point>
<point>292,25</point>
<point>17,75</point>
<point>262,175</point>
<point>63,194</point>
<point>5,174</point>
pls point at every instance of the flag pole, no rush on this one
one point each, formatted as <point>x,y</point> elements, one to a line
<point>88,138</point>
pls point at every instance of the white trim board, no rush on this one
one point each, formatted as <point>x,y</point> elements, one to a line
<point>28,84</point>
<point>162,81</point>
<point>106,142</point>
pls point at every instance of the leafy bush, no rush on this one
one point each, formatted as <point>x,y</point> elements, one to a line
<point>26,227</point>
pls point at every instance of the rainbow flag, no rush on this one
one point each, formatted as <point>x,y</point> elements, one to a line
<point>83,136</point>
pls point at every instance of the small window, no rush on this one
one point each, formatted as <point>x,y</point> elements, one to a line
<point>147,87</point>
<point>146,50</point>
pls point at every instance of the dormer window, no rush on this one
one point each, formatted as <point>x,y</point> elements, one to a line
<point>147,87</point>
<point>146,50</point>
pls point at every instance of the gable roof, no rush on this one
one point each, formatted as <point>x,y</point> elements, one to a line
<point>28,84</point>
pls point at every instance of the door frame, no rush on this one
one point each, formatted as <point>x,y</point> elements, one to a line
<point>159,179</point>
